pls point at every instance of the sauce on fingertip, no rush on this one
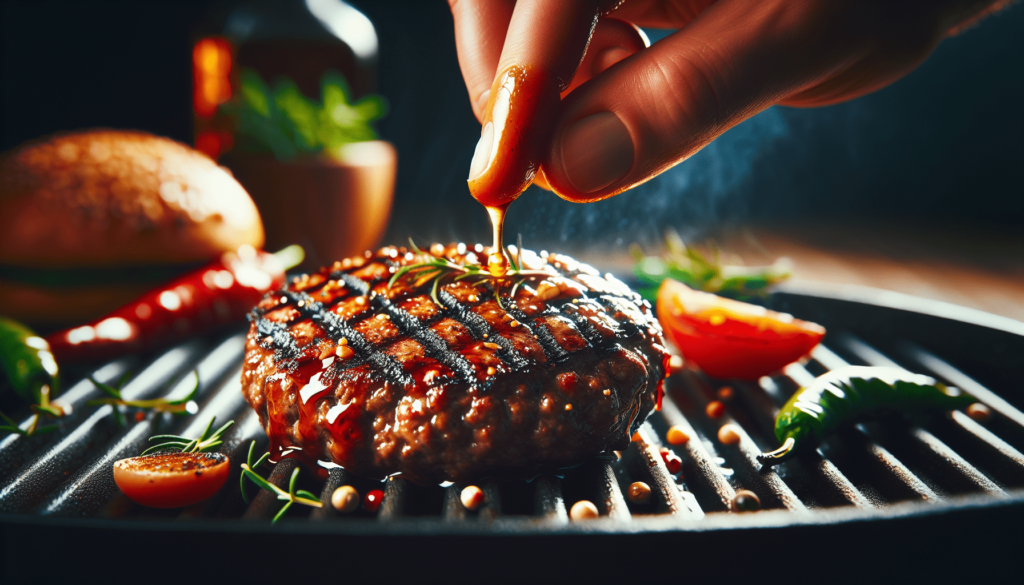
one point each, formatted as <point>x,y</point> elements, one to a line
<point>523,99</point>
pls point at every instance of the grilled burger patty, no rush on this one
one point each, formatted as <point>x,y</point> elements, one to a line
<point>344,369</point>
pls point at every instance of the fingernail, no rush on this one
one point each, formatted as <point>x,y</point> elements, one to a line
<point>596,152</point>
<point>482,154</point>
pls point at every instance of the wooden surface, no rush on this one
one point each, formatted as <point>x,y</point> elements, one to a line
<point>970,267</point>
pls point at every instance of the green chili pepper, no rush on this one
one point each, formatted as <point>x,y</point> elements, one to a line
<point>849,394</point>
<point>28,363</point>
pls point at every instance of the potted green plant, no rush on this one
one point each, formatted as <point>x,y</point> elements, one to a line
<point>316,170</point>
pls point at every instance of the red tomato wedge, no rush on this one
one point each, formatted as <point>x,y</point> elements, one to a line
<point>171,480</point>
<point>731,339</point>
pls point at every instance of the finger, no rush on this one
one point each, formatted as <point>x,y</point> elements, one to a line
<point>480,27</point>
<point>544,45</point>
<point>613,40</point>
<point>660,13</point>
<point>658,107</point>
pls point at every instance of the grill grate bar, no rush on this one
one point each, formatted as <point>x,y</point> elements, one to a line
<point>548,500</point>
<point>954,376</point>
<point>708,473</point>
<point>612,501</point>
<point>952,459</point>
<point>393,506</point>
<point>894,466</point>
<point>989,439</point>
<point>664,484</point>
<point>747,451</point>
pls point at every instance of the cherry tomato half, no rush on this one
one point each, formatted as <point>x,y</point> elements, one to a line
<point>731,339</point>
<point>171,480</point>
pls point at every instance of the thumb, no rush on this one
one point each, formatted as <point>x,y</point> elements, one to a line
<point>656,108</point>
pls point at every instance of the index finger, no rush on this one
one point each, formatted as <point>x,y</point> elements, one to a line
<point>480,27</point>
<point>544,44</point>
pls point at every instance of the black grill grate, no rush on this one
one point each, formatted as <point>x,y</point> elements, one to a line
<point>873,470</point>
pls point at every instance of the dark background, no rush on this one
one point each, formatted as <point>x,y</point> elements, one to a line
<point>943,145</point>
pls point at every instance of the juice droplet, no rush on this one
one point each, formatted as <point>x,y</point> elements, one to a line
<point>497,264</point>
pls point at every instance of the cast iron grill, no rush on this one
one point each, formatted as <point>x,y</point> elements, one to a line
<point>893,468</point>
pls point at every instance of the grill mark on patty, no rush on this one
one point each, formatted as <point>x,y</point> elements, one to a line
<point>552,350</point>
<point>434,346</point>
<point>335,329</point>
<point>353,282</point>
<point>583,325</point>
<point>481,329</point>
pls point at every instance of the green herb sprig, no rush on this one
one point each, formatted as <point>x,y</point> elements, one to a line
<point>285,122</point>
<point>292,496</point>
<point>689,266</point>
<point>436,269</point>
<point>32,429</point>
<point>185,405</point>
<point>175,443</point>
<point>43,408</point>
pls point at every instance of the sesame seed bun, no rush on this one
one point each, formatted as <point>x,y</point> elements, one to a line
<point>109,199</point>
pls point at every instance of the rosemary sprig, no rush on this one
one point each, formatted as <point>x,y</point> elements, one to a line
<point>292,496</point>
<point>174,443</point>
<point>436,269</point>
<point>185,405</point>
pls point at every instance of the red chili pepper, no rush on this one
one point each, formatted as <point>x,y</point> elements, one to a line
<point>221,292</point>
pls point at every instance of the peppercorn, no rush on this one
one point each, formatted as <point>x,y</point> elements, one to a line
<point>472,497</point>
<point>729,434</point>
<point>583,510</point>
<point>677,436</point>
<point>345,499</point>
<point>639,493</point>
<point>746,501</point>
<point>979,412</point>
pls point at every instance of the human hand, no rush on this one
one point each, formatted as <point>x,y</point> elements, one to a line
<point>590,121</point>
